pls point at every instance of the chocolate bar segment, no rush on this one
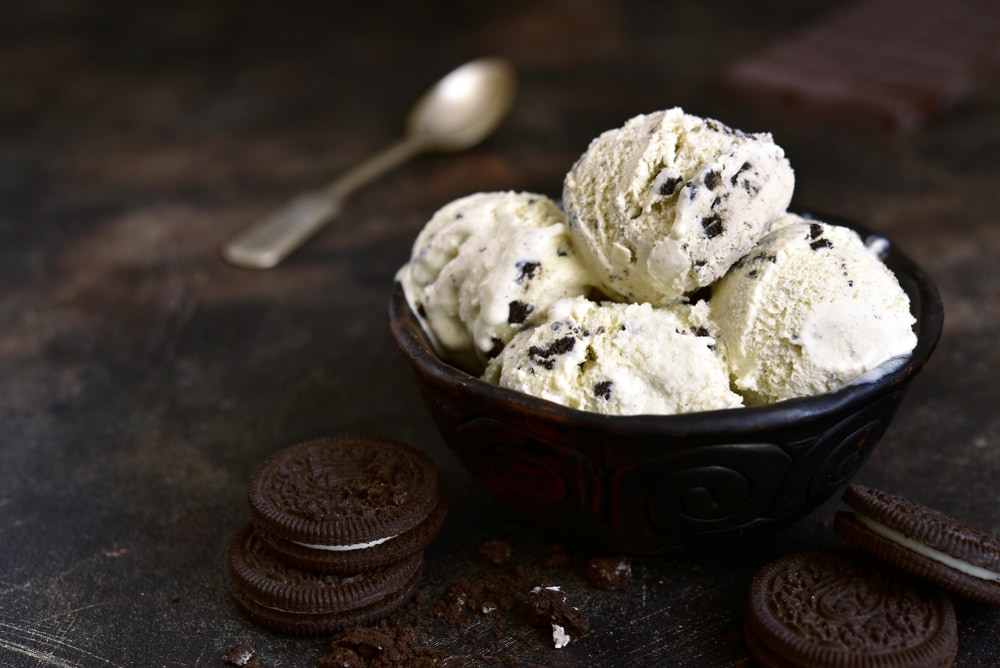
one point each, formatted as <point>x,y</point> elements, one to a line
<point>884,64</point>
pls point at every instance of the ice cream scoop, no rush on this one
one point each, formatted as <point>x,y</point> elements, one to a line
<point>487,266</point>
<point>808,310</point>
<point>619,359</point>
<point>665,204</point>
<point>461,110</point>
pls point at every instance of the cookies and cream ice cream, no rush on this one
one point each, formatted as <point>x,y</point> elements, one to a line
<point>604,308</point>
<point>806,311</point>
<point>666,203</point>
<point>486,266</point>
<point>619,359</point>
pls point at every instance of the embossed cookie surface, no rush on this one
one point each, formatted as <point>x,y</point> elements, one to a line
<point>341,492</point>
<point>839,608</point>
<point>922,541</point>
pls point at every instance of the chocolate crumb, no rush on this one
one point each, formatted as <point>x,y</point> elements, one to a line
<point>713,179</point>
<point>385,645</point>
<point>610,573</point>
<point>241,654</point>
<point>820,243</point>
<point>497,592</point>
<point>547,606</point>
<point>480,615</point>
<point>495,552</point>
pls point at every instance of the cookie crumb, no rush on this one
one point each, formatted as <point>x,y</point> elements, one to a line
<point>547,605</point>
<point>495,552</point>
<point>610,573</point>
<point>388,644</point>
<point>241,654</point>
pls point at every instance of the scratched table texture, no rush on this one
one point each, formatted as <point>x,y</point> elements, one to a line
<point>142,378</point>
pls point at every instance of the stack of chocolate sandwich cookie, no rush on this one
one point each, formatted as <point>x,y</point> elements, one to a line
<point>885,604</point>
<point>337,533</point>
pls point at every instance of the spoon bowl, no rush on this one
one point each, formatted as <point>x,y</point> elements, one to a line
<point>465,106</point>
<point>457,113</point>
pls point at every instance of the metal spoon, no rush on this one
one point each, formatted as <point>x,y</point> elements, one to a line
<point>457,113</point>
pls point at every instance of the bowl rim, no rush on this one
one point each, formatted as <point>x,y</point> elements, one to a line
<point>925,304</point>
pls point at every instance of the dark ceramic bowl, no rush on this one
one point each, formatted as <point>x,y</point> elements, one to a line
<point>654,484</point>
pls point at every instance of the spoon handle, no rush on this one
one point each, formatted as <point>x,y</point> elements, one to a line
<point>271,239</point>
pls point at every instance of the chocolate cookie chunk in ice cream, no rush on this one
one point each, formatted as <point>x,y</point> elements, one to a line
<point>665,204</point>
<point>484,267</point>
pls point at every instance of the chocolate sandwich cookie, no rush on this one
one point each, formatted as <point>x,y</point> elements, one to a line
<point>922,541</point>
<point>343,498</point>
<point>359,559</point>
<point>292,600</point>
<point>840,608</point>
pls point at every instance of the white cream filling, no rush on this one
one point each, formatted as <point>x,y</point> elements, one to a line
<point>929,552</point>
<point>559,636</point>
<point>345,548</point>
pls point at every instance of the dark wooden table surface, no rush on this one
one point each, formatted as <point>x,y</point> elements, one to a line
<point>142,378</point>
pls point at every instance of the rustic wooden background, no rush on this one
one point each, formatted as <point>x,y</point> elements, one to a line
<point>142,378</point>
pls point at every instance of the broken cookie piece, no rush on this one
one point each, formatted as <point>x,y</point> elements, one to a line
<point>547,605</point>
